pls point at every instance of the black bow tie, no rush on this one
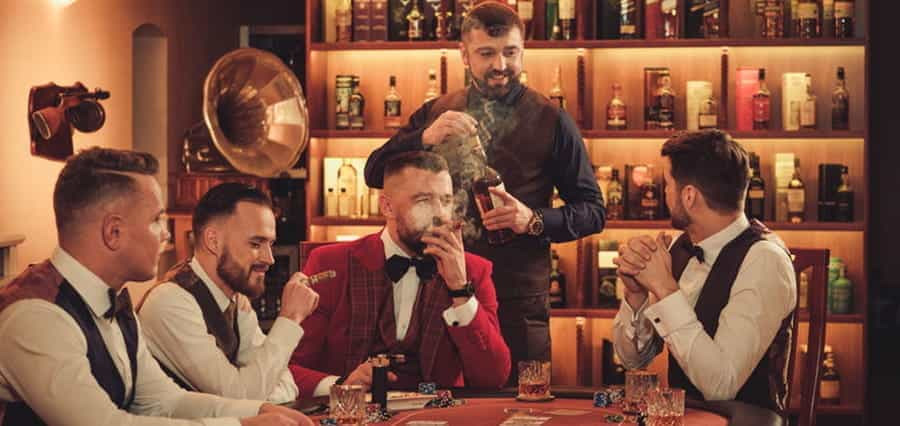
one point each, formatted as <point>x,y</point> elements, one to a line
<point>117,304</point>
<point>691,249</point>
<point>396,267</point>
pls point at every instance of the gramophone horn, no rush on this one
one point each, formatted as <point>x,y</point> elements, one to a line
<point>255,112</point>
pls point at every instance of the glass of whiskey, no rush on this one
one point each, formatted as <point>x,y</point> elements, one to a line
<point>637,384</point>
<point>534,381</point>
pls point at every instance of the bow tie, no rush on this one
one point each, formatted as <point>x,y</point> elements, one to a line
<point>692,250</point>
<point>396,267</point>
<point>117,304</point>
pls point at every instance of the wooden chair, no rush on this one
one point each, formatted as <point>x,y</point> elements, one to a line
<point>817,261</point>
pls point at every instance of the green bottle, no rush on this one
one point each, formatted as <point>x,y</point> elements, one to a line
<point>834,269</point>
<point>841,293</point>
<point>552,19</point>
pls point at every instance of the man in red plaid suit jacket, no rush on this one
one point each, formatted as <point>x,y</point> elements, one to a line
<point>409,289</point>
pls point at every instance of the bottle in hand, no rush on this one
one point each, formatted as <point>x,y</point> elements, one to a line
<point>485,201</point>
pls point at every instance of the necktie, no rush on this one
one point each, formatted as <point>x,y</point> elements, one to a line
<point>396,267</point>
<point>117,304</point>
<point>231,341</point>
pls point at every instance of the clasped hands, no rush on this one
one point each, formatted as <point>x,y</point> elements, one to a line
<point>645,266</point>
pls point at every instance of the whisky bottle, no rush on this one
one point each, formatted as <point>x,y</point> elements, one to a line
<point>347,182</point>
<point>830,384</point>
<point>669,9</point>
<point>556,92</point>
<point>844,198</point>
<point>433,90</point>
<point>649,199</point>
<point>808,17</point>
<point>628,20</point>
<point>342,19</point>
<point>808,107</point>
<point>392,106</point>
<point>773,19</point>
<point>551,20</point>
<point>557,283</point>
<point>567,19</point>
<point>665,102</point>
<point>485,201</point>
<point>343,89</point>
<point>803,298</point>
<point>840,103</point>
<point>614,206</point>
<point>843,18</point>
<point>755,205</point>
<point>331,203</point>
<point>357,107</point>
<point>398,26</point>
<point>415,17</point>
<point>526,14</point>
<point>707,116</point>
<point>374,201</point>
<point>616,110</point>
<point>841,290</point>
<point>762,112</point>
<point>796,196</point>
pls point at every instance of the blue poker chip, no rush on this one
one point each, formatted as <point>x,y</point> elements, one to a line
<point>328,421</point>
<point>601,399</point>
<point>427,388</point>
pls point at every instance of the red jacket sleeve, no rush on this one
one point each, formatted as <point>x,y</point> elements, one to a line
<point>309,351</point>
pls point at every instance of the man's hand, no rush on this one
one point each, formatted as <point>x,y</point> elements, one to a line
<point>450,123</point>
<point>657,273</point>
<point>363,376</point>
<point>513,214</point>
<point>298,301</point>
<point>446,246</point>
<point>635,293</point>
<point>278,415</point>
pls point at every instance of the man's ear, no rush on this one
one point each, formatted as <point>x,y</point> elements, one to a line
<point>690,196</point>
<point>112,229</point>
<point>464,55</point>
<point>211,239</point>
<point>387,210</point>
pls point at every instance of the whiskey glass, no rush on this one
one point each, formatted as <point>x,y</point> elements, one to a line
<point>534,380</point>
<point>665,407</point>
<point>638,383</point>
<point>347,404</point>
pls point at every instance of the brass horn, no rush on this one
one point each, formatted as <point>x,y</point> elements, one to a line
<point>255,112</point>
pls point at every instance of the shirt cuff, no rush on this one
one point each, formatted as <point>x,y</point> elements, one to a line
<point>286,331</point>
<point>324,386</point>
<point>462,315</point>
<point>670,313</point>
<point>553,220</point>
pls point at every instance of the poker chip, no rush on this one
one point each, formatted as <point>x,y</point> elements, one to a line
<point>328,421</point>
<point>601,399</point>
<point>444,393</point>
<point>375,414</point>
<point>616,394</point>
<point>614,418</point>
<point>427,388</point>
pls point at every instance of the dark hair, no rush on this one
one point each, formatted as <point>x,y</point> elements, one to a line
<point>222,199</point>
<point>94,175</point>
<point>713,162</point>
<point>422,160</point>
<point>496,19</point>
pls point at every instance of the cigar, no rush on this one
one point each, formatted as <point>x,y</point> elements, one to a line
<point>454,225</point>
<point>324,275</point>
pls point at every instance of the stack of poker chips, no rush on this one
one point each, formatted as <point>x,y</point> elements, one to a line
<point>609,396</point>
<point>427,388</point>
<point>442,399</point>
<point>374,414</point>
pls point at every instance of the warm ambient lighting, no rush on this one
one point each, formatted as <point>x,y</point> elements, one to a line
<point>62,3</point>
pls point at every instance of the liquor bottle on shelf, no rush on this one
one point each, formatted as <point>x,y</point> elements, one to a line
<point>342,19</point>
<point>567,19</point>
<point>344,203</point>
<point>347,178</point>
<point>707,117</point>
<point>772,18</point>
<point>526,14</point>
<point>665,102</point>
<point>343,89</point>
<point>433,90</point>
<point>557,283</point>
<point>840,103</point>
<point>826,18</point>
<point>614,198</point>
<point>796,196</point>
<point>711,21</point>
<point>415,17</point>
<point>605,293</point>
<point>653,16</point>
<point>762,112</point>
<point>398,26</point>
<point>393,110</point>
<point>830,384</point>
<point>844,197</point>
<point>843,18</point>
<point>628,20</point>
<point>841,290</point>
<point>485,201</point>
<point>556,92</point>
<point>669,10</point>
<point>374,201</point>
<point>357,107</point>
<point>331,203</point>
<point>795,18</point>
<point>808,107</point>
<point>551,20</point>
<point>433,17</point>
<point>808,17</point>
<point>603,174</point>
<point>616,110</point>
<point>755,205</point>
<point>649,199</point>
<point>803,298</point>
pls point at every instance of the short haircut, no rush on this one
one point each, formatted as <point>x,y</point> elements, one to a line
<point>221,200</point>
<point>713,162</point>
<point>496,19</point>
<point>422,160</point>
<point>96,175</point>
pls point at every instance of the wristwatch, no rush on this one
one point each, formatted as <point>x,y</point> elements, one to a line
<point>468,290</point>
<point>536,224</point>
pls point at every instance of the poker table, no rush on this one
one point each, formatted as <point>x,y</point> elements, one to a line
<point>571,406</point>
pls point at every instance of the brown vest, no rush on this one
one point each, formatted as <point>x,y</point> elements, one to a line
<point>227,338</point>
<point>409,373</point>
<point>43,281</point>
<point>767,384</point>
<point>520,150</point>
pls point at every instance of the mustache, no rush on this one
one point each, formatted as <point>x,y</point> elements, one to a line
<point>259,267</point>
<point>499,74</point>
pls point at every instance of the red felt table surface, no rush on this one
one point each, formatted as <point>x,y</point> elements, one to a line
<point>561,411</point>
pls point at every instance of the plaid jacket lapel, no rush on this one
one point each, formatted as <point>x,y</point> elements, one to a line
<point>366,292</point>
<point>434,301</point>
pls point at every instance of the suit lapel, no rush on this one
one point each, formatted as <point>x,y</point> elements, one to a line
<point>434,301</point>
<point>366,292</point>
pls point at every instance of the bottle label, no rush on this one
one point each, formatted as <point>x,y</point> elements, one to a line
<point>808,11</point>
<point>796,199</point>
<point>627,29</point>
<point>808,114</point>
<point>843,9</point>
<point>526,10</point>
<point>668,5</point>
<point>615,117</point>
<point>391,108</point>
<point>840,299</point>
<point>761,110</point>
<point>829,389</point>
<point>707,121</point>
<point>827,10</point>
<point>756,194</point>
<point>494,200</point>
<point>566,9</point>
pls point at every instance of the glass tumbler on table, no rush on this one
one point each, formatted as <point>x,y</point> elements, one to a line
<point>665,407</point>
<point>534,380</point>
<point>348,404</point>
<point>637,384</point>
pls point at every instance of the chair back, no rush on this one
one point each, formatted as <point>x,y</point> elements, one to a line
<point>306,247</point>
<point>813,262</point>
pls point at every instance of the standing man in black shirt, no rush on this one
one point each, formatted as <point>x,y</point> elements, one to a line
<point>534,145</point>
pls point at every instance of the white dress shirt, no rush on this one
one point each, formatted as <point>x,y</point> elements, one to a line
<point>764,293</point>
<point>177,336</point>
<point>405,293</point>
<point>44,364</point>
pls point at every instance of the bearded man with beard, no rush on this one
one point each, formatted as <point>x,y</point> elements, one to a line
<point>198,320</point>
<point>721,297</point>
<point>410,289</point>
<point>535,147</point>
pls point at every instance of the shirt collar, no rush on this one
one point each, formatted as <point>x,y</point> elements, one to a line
<point>714,244</point>
<point>390,247</point>
<point>220,297</point>
<point>93,290</point>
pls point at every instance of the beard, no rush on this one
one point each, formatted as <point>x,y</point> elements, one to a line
<point>411,237</point>
<point>239,278</point>
<point>680,218</point>
<point>495,92</point>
